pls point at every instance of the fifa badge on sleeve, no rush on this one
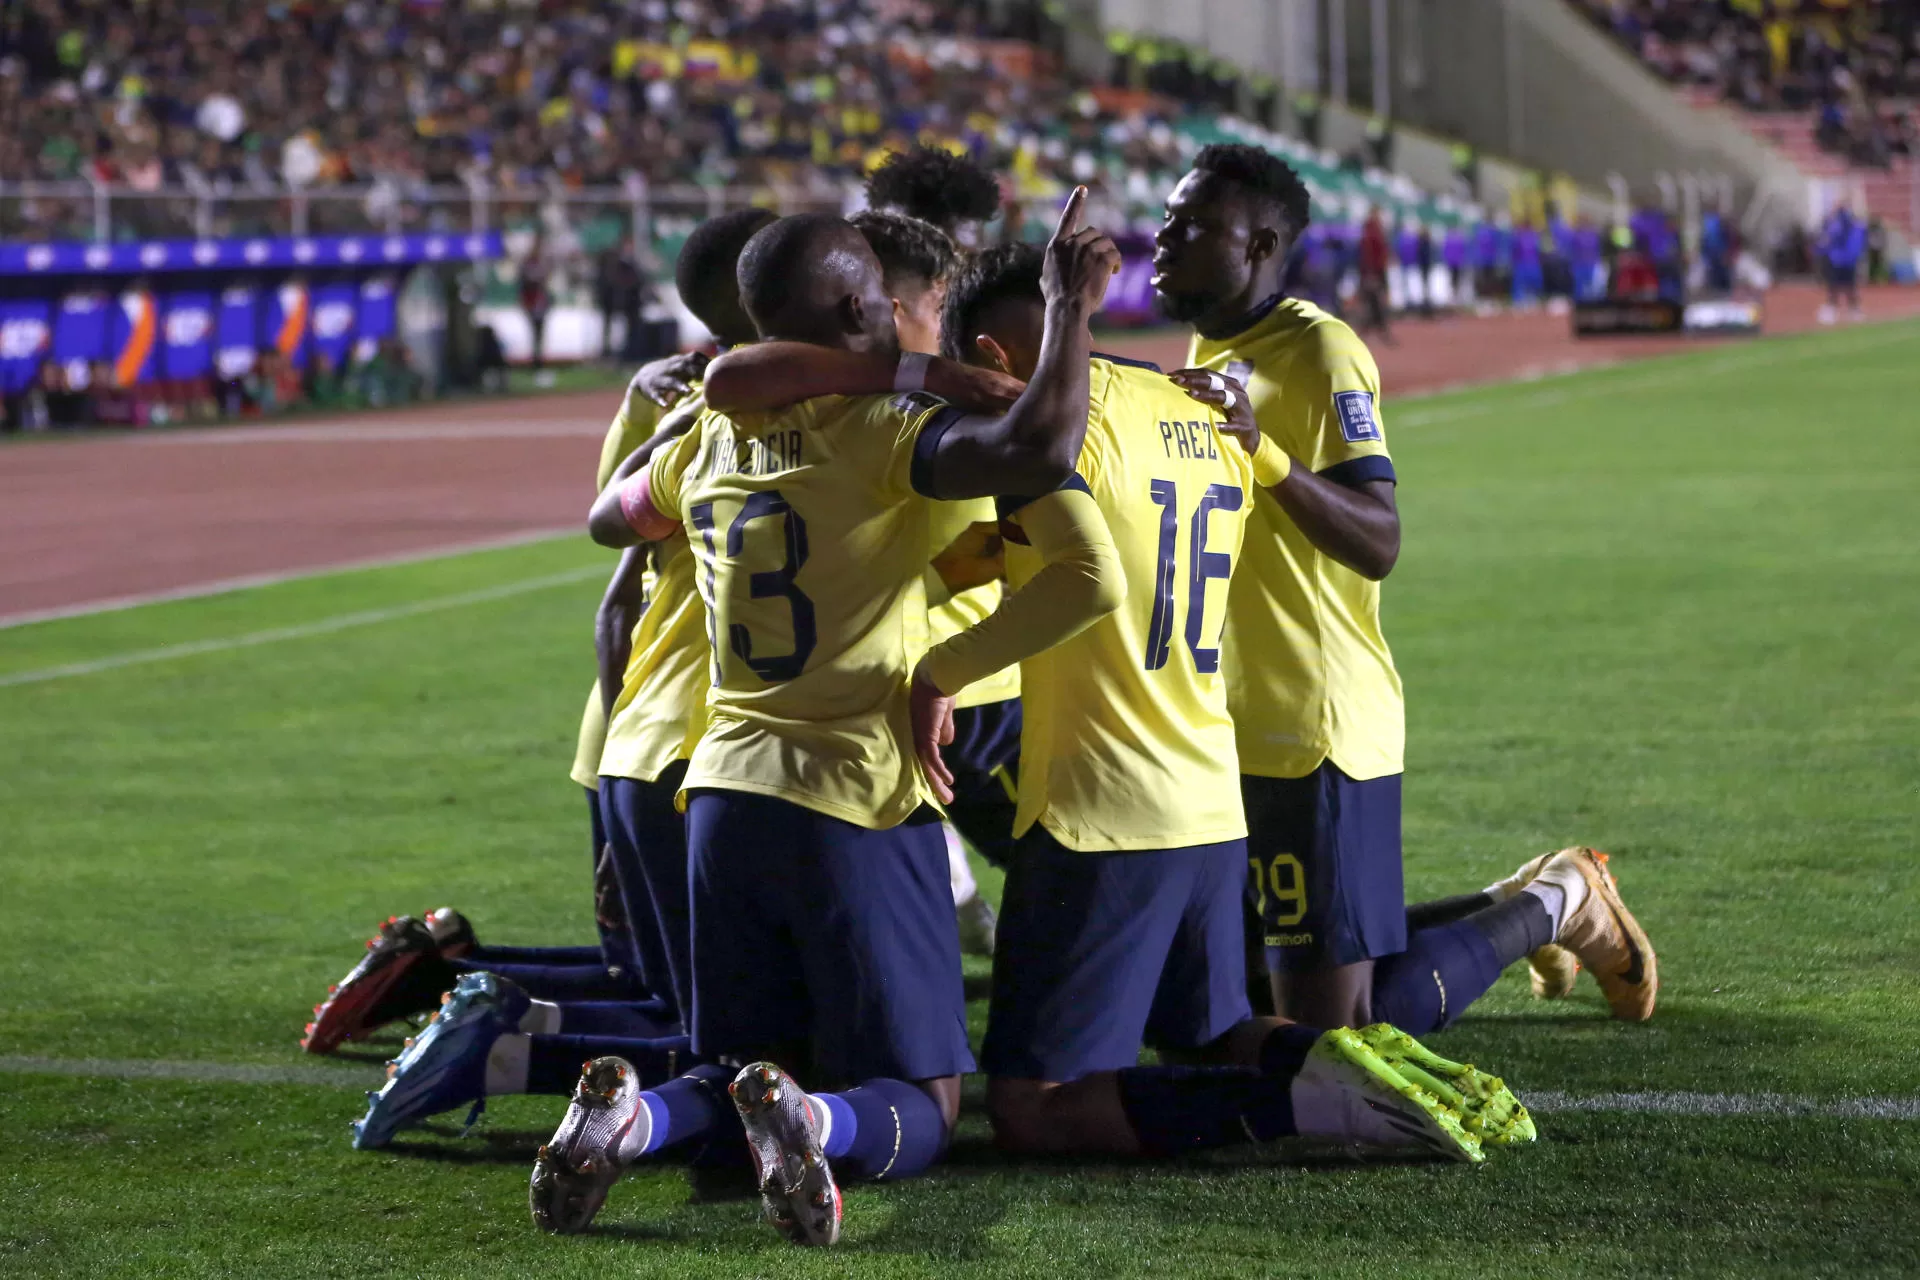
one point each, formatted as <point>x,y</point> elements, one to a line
<point>1357,422</point>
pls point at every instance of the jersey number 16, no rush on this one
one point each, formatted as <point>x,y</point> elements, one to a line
<point>1203,566</point>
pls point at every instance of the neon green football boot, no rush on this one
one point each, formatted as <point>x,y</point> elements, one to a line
<point>1346,1092</point>
<point>1487,1108</point>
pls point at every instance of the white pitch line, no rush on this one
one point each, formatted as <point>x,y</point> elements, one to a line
<point>1727,1104</point>
<point>318,627</point>
<point>358,1076</point>
<point>197,1072</point>
<point>220,586</point>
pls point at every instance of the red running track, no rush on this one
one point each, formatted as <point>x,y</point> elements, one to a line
<point>92,521</point>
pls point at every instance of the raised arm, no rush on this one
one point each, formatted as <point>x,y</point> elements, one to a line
<point>767,376</point>
<point>1080,581</point>
<point>1357,524</point>
<point>607,524</point>
<point>1033,446</point>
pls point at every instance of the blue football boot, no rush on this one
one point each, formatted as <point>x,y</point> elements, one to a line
<point>445,1066</point>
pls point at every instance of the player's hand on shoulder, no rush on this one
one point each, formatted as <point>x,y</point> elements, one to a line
<point>932,713</point>
<point>1227,395</point>
<point>1080,260</point>
<point>664,381</point>
<point>972,388</point>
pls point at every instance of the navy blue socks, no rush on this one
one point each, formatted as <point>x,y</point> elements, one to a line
<point>1441,972</point>
<point>554,1062</point>
<point>491,954</point>
<point>589,981</point>
<point>1180,1109</point>
<point>693,1105</point>
<point>883,1129</point>
<point>631,1019</point>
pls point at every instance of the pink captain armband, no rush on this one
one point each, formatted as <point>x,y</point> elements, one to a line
<point>636,504</point>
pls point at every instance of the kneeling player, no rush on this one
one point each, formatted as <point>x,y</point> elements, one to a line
<point>1315,698</point>
<point>411,962</point>
<point>822,921</point>
<point>1122,916</point>
<point>1187,951</point>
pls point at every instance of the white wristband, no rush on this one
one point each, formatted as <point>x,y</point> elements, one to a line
<point>911,373</point>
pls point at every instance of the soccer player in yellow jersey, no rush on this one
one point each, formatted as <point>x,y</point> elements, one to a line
<point>654,686</point>
<point>411,962</point>
<point>1122,918</point>
<point>1315,698</point>
<point>822,921</point>
<point>490,1037</point>
<point>916,260</point>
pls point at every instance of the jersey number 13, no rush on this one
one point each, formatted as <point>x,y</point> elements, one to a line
<point>761,585</point>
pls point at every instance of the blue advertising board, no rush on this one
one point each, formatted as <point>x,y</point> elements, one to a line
<point>282,253</point>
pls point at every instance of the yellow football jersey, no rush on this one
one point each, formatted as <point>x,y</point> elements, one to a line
<point>1127,743</point>
<point>632,427</point>
<point>812,549</point>
<point>659,711</point>
<point>1309,675</point>
<point>951,617</point>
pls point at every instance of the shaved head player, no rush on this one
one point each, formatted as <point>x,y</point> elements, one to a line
<point>1315,698</point>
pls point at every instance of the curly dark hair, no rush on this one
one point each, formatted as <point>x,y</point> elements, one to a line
<point>914,255</point>
<point>1004,273</point>
<point>934,186</point>
<point>1263,175</point>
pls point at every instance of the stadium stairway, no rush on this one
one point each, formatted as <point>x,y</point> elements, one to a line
<point>1887,193</point>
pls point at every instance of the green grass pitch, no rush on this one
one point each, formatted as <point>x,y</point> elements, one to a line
<point>1670,609</point>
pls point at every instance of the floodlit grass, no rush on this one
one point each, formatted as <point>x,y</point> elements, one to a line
<point>1671,610</point>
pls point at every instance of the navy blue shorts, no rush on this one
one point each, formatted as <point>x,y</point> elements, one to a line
<point>1100,952</point>
<point>647,845</point>
<point>811,931</point>
<point>1323,855</point>
<point>985,758</point>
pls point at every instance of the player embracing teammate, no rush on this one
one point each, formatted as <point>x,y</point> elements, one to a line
<point>1315,698</point>
<point>1211,719</point>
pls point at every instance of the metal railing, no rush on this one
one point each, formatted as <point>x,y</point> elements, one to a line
<point>105,212</point>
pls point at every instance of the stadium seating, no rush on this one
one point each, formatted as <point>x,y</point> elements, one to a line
<point>595,103</point>
<point>1830,83</point>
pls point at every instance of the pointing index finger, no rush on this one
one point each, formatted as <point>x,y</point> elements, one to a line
<point>1070,214</point>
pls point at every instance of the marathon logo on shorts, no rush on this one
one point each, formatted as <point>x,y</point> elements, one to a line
<point>1357,422</point>
<point>1290,939</point>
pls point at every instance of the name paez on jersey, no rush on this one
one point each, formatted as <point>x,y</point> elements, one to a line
<point>1188,440</point>
<point>1356,415</point>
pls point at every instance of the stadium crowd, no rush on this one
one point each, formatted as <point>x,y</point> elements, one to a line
<point>247,100</point>
<point>1856,63</point>
<point>234,107</point>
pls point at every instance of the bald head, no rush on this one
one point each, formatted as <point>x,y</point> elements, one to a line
<point>813,278</point>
